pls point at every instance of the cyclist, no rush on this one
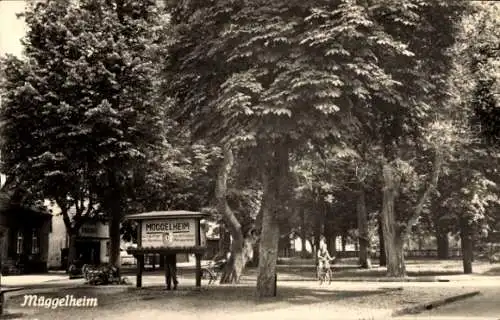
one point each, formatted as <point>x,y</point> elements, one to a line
<point>324,257</point>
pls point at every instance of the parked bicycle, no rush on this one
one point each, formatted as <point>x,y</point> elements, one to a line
<point>212,270</point>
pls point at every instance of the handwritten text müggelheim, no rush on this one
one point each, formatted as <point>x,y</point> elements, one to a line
<point>39,301</point>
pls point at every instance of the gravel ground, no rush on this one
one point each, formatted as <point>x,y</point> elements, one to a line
<point>296,300</point>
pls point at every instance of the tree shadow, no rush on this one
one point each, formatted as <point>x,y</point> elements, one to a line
<point>309,273</point>
<point>237,297</point>
<point>13,315</point>
<point>224,298</point>
<point>495,271</point>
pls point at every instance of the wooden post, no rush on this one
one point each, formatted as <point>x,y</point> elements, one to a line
<point>140,267</point>
<point>198,270</point>
<point>275,284</point>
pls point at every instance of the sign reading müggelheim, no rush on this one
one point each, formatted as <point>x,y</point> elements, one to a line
<point>40,301</point>
<point>168,233</point>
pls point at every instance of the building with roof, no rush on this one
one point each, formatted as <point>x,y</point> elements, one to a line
<point>24,237</point>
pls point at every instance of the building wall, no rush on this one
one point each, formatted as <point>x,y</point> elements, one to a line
<point>57,238</point>
<point>32,256</point>
<point>57,241</point>
<point>104,255</point>
<point>4,238</point>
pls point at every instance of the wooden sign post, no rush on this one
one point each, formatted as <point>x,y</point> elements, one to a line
<point>168,233</point>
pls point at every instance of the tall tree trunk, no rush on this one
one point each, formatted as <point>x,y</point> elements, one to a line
<point>72,228</point>
<point>332,245</point>
<point>225,240</point>
<point>72,235</point>
<point>330,235</point>
<point>275,178</point>
<point>467,245</point>
<point>113,201</point>
<point>303,252</point>
<point>114,241</point>
<point>240,256</point>
<point>241,246</point>
<point>303,233</point>
<point>364,241</point>
<point>268,254</point>
<point>443,244</point>
<point>393,241</point>
<point>382,255</point>
<point>344,242</point>
<point>317,236</point>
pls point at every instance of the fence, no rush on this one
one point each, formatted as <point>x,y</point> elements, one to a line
<point>431,253</point>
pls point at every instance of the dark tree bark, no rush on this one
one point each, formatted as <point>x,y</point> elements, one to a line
<point>72,226</point>
<point>113,201</point>
<point>382,256</point>
<point>225,240</point>
<point>240,257</point>
<point>330,235</point>
<point>268,254</point>
<point>467,245</point>
<point>392,232</point>
<point>364,241</point>
<point>317,236</point>
<point>303,233</point>
<point>443,244</point>
<point>344,242</point>
<point>275,178</point>
<point>72,248</point>
<point>114,241</point>
<point>332,243</point>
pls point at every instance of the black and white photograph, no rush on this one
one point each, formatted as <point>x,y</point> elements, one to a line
<point>250,159</point>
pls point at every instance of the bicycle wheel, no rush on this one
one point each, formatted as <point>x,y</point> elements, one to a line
<point>207,274</point>
<point>321,276</point>
<point>329,276</point>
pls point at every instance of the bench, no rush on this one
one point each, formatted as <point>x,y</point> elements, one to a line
<point>3,291</point>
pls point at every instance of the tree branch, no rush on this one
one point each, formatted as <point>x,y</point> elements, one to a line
<point>437,163</point>
<point>221,195</point>
<point>90,205</point>
<point>63,205</point>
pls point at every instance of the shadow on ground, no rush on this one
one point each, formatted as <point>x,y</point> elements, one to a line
<point>495,271</point>
<point>309,273</point>
<point>13,315</point>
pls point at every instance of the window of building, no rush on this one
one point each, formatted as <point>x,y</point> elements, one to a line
<point>35,244</point>
<point>108,245</point>
<point>20,242</point>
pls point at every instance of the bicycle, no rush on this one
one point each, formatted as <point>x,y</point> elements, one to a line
<point>324,275</point>
<point>212,270</point>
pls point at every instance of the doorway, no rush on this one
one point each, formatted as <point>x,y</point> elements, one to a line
<point>89,251</point>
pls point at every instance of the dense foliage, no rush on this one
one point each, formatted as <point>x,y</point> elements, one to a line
<point>286,116</point>
<point>78,112</point>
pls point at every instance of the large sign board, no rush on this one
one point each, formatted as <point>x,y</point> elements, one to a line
<point>168,233</point>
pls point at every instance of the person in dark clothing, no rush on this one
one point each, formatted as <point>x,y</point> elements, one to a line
<point>171,271</point>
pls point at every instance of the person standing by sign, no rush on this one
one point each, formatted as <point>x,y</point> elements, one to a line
<point>171,271</point>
